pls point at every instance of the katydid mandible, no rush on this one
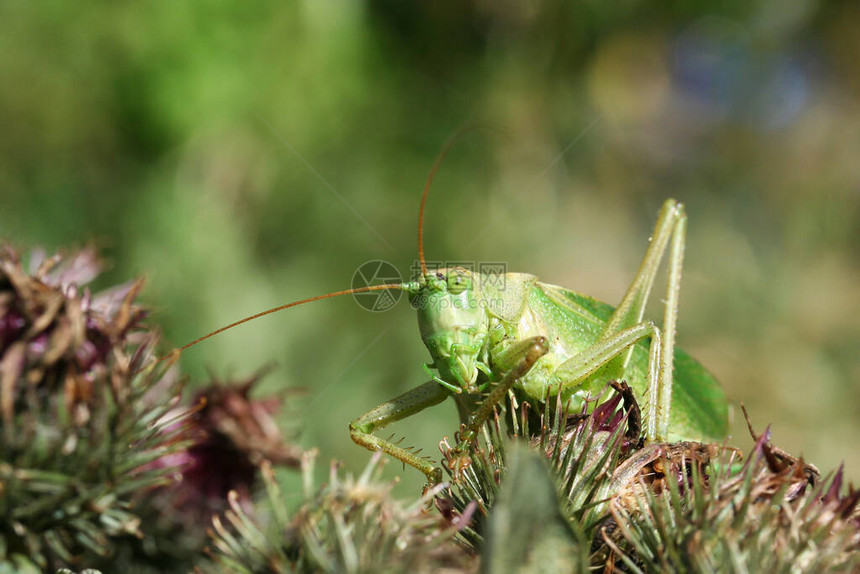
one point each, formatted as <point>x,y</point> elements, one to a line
<point>488,337</point>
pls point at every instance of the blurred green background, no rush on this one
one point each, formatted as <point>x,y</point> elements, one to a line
<point>243,155</point>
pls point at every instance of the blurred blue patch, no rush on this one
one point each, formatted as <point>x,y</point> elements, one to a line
<point>725,78</point>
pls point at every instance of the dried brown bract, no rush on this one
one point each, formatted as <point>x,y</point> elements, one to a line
<point>57,339</point>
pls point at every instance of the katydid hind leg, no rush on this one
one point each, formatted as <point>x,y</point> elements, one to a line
<point>631,309</point>
<point>669,233</point>
<point>575,371</point>
<point>670,319</point>
<point>413,401</point>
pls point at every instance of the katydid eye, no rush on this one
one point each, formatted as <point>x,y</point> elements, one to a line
<point>457,283</point>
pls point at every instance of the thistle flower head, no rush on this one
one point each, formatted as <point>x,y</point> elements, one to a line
<point>350,524</point>
<point>79,416</point>
<point>231,434</point>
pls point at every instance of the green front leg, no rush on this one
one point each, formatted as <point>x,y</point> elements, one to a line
<point>522,356</point>
<point>361,429</point>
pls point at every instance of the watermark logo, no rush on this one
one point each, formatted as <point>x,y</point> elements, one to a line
<point>493,275</point>
<point>376,272</point>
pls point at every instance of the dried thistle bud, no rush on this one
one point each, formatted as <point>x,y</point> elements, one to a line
<point>230,435</point>
<point>55,336</point>
<point>248,424</point>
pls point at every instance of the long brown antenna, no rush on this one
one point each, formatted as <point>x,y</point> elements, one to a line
<point>439,159</point>
<point>281,308</point>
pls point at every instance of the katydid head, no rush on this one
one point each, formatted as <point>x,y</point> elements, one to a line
<point>453,323</point>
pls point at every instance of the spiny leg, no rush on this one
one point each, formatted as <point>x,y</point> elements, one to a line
<point>411,402</point>
<point>669,231</point>
<point>670,318</point>
<point>631,309</point>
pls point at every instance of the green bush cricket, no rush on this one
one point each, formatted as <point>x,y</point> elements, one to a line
<point>489,335</point>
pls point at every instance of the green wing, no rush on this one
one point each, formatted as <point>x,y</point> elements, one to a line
<point>699,405</point>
